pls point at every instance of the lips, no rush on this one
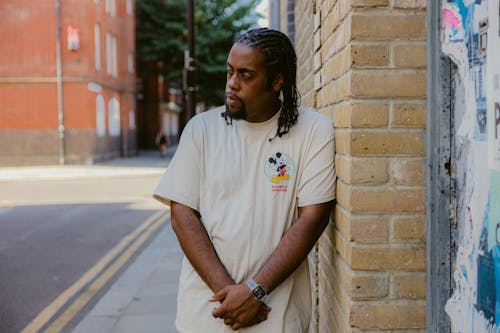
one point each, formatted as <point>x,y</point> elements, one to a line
<point>233,100</point>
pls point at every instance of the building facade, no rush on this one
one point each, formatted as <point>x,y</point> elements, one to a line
<point>67,81</point>
<point>363,64</point>
<point>412,87</point>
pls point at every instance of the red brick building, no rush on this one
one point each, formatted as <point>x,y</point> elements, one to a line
<point>67,99</point>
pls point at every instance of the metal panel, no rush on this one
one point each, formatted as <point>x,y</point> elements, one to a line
<point>439,120</point>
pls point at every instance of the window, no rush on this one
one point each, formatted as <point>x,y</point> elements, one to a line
<point>129,7</point>
<point>111,55</point>
<point>100,116</point>
<point>130,63</point>
<point>131,120</point>
<point>97,45</point>
<point>111,7</point>
<point>114,117</point>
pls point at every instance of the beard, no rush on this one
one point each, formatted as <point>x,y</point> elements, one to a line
<point>240,113</point>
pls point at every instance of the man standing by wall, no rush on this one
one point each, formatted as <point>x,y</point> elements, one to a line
<point>251,189</point>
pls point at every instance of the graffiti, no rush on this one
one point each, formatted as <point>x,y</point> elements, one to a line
<point>470,39</point>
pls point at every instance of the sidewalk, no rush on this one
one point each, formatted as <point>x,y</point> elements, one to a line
<point>145,163</point>
<point>143,299</point>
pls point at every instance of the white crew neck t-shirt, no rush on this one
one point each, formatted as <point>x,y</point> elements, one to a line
<point>247,190</point>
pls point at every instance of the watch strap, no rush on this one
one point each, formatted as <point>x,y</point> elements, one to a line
<point>257,291</point>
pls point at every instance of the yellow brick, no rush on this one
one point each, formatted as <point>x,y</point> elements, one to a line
<point>337,65</point>
<point>370,55</point>
<point>336,41</point>
<point>408,229</point>
<point>379,143</point>
<point>409,115</point>
<point>370,27</point>
<point>383,257</point>
<point>410,56</point>
<point>390,83</point>
<point>388,316</point>
<point>369,3</point>
<point>369,287</point>
<point>410,4</point>
<point>411,285</point>
<point>369,229</point>
<point>362,170</point>
<point>359,200</point>
<point>408,172</point>
<point>361,115</point>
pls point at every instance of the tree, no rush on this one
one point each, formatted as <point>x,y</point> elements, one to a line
<point>161,36</point>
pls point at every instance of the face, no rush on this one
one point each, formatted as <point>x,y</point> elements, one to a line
<point>248,96</point>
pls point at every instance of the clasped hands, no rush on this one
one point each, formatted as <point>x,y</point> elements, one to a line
<point>238,307</point>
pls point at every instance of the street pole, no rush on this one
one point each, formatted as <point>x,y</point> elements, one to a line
<point>60,107</point>
<point>190,63</point>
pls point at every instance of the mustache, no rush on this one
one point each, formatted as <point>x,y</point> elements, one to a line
<point>233,96</point>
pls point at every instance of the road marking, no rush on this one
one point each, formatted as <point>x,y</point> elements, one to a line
<point>128,243</point>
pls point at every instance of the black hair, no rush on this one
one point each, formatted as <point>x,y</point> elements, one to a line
<point>279,57</point>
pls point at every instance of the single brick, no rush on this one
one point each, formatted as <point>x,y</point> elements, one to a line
<point>388,316</point>
<point>408,286</point>
<point>370,27</point>
<point>383,257</point>
<point>365,200</point>
<point>388,83</point>
<point>380,143</point>
<point>362,170</point>
<point>410,4</point>
<point>409,115</point>
<point>410,56</point>
<point>408,172</point>
<point>370,3</point>
<point>366,55</point>
<point>408,229</point>
<point>369,287</point>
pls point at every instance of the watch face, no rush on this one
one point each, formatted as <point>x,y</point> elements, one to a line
<point>259,292</point>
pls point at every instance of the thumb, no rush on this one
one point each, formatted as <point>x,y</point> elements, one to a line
<point>219,296</point>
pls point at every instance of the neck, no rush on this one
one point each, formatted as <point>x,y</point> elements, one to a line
<point>266,114</point>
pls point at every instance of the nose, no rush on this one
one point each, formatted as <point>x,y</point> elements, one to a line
<point>232,82</point>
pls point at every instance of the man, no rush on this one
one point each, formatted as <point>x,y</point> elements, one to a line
<point>251,188</point>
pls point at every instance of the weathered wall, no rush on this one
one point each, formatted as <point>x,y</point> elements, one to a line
<point>471,38</point>
<point>362,63</point>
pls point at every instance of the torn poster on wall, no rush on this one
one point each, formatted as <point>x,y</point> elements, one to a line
<point>470,35</point>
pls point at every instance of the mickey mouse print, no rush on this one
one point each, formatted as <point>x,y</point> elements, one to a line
<point>279,169</point>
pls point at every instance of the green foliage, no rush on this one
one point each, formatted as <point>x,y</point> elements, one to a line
<point>161,36</point>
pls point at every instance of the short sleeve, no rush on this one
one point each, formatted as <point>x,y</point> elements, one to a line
<point>181,180</point>
<point>318,177</point>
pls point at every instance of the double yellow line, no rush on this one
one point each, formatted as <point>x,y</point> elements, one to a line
<point>100,274</point>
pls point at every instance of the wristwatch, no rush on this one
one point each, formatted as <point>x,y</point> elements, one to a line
<point>257,290</point>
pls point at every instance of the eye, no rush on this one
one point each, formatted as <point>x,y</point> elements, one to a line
<point>245,76</point>
<point>229,71</point>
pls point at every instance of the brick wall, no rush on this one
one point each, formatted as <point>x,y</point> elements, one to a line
<point>362,63</point>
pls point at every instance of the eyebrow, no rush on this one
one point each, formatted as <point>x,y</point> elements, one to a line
<point>242,70</point>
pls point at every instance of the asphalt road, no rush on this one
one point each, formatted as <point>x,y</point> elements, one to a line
<point>52,232</point>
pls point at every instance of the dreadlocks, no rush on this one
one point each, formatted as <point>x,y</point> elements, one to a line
<point>279,57</point>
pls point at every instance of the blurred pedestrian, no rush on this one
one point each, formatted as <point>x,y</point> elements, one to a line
<point>251,188</point>
<point>162,143</point>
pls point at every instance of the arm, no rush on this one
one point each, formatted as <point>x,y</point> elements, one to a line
<point>295,245</point>
<point>198,247</point>
<point>291,251</point>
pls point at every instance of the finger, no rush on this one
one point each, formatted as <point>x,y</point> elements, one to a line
<point>235,326</point>
<point>228,322</point>
<point>218,296</point>
<point>219,312</point>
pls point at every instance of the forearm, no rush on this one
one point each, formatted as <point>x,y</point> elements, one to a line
<point>294,246</point>
<point>198,247</point>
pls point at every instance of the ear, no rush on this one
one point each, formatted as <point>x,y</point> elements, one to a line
<point>278,83</point>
